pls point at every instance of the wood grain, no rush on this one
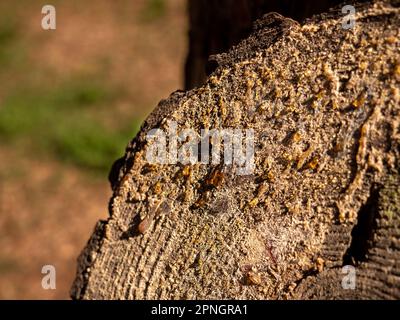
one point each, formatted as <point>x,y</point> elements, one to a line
<point>324,106</point>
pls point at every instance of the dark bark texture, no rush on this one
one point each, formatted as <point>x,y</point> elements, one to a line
<point>217,25</point>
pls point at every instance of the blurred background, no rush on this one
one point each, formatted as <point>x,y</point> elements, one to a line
<point>72,98</point>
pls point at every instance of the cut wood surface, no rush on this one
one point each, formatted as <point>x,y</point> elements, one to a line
<point>323,102</point>
<point>217,25</point>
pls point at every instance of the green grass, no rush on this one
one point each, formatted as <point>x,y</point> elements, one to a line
<point>8,32</point>
<point>8,37</point>
<point>153,10</point>
<point>65,123</point>
<point>72,121</point>
<point>90,145</point>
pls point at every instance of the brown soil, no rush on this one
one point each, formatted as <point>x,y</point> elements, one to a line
<point>47,208</point>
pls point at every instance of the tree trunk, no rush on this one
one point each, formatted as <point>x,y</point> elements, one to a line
<point>217,25</point>
<point>323,104</point>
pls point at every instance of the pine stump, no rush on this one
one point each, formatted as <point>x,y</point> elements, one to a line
<point>323,103</point>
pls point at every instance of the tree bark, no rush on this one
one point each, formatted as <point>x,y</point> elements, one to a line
<point>217,25</point>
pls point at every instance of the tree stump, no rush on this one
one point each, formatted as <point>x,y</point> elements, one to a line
<point>323,103</point>
<point>216,25</point>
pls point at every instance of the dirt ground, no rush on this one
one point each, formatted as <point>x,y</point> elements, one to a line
<point>49,207</point>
